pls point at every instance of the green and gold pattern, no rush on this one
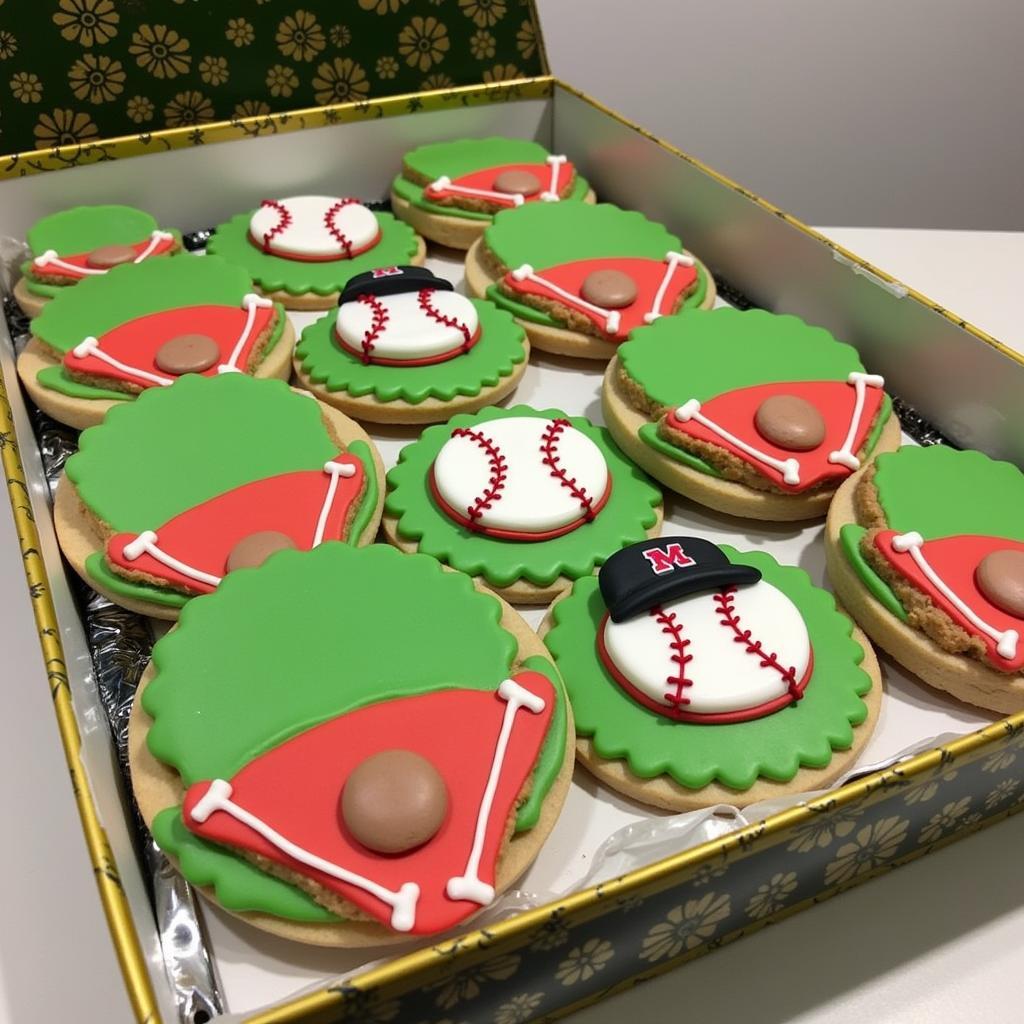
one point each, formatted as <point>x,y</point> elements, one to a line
<point>77,71</point>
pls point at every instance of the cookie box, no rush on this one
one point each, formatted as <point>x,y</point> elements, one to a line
<point>619,893</point>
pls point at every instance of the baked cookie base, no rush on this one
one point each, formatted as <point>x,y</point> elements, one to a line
<point>157,786</point>
<point>520,592</point>
<point>557,340</point>
<point>370,409</point>
<point>960,676</point>
<point>727,496</point>
<point>664,792</point>
<point>310,301</point>
<point>455,232</point>
<point>31,304</point>
<point>79,537</point>
<point>87,412</point>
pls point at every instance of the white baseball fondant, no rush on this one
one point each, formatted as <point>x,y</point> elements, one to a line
<point>724,675</point>
<point>302,226</point>
<point>410,331</point>
<point>532,496</point>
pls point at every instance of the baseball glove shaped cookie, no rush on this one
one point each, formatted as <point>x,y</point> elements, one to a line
<point>450,191</point>
<point>926,549</point>
<point>142,326</point>
<point>85,242</point>
<point>580,278</point>
<point>300,250</point>
<point>404,347</point>
<point>702,675</point>
<point>750,413</point>
<point>525,500</point>
<point>176,490</point>
<point>347,746</point>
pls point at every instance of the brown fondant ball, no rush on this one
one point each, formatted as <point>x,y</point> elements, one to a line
<point>255,549</point>
<point>394,801</point>
<point>517,183</point>
<point>790,422</point>
<point>107,256</point>
<point>1000,577</point>
<point>187,353</point>
<point>609,289</point>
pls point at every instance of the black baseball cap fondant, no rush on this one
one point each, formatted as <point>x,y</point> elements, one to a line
<point>392,281</point>
<point>657,571</point>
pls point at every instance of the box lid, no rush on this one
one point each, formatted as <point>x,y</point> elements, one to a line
<point>79,71</point>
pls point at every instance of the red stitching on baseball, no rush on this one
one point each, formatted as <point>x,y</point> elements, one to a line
<point>333,230</point>
<point>670,627</point>
<point>284,220</point>
<point>445,321</point>
<point>548,443</point>
<point>496,482</point>
<point>380,320</point>
<point>728,617</point>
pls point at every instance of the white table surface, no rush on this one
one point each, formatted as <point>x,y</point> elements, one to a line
<point>939,940</point>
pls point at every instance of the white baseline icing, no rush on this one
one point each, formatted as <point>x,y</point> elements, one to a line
<point>334,470</point>
<point>550,194</point>
<point>306,234</point>
<point>155,239</point>
<point>789,468</point>
<point>146,542</point>
<point>861,382</point>
<point>673,260</point>
<point>402,902</point>
<point>612,317</point>
<point>51,257</point>
<point>724,676</point>
<point>251,303</point>
<point>91,347</point>
<point>444,184</point>
<point>469,885</point>
<point>409,333</point>
<point>1006,640</point>
<point>531,499</point>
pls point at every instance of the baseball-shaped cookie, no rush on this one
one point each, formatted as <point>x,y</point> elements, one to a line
<point>144,325</point>
<point>405,347</point>
<point>85,242</point>
<point>450,191</point>
<point>750,413</point>
<point>178,489</point>
<point>300,250</point>
<point>580,278</point>
<point>926,548</point>
<point>701,675</point>
<point>526,500</point>
<point>347,746</point>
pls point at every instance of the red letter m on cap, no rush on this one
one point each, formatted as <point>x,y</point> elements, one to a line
<point>666,559</point>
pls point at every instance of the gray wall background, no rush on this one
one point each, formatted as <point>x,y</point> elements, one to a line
<point>900,113</point>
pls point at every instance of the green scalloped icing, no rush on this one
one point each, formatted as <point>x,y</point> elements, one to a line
<point>648,433</point>
<point>850,537</point>
<point>625,519</point>
<point>803,735</point>
<point>99,571</point>
<point>941,492</point>
<point>240,886</point>
<point>398,244</point>
<point>498,351</point>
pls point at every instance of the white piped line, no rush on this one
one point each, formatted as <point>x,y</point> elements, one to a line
<point>251,302</point>
<point>1006,641</point>
<point>402,903</point>
<point>334,470</point>
<point>91,347</point>
<point>673,259</point>
<point>469,885</point>
<point>789,468</point>
<point>611,316</point>
<point>147,542</point>
<point>861,382</point>
<point>445,184</point>
<point>154,240</point>
<point>550,195</point>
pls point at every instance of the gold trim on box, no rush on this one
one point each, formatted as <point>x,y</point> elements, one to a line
<point>18,165</point>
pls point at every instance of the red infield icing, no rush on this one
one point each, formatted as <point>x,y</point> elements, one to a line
<point>484,180</point>
<point>80,259</point>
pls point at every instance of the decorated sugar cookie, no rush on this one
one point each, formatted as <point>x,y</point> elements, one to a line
<point>85,242</point>
<point>701,675</point>
<point>450,191</point>
<point>177,490</point>
<point>750,413</point>
<point>405,347</point>
<point>300,250</point>
<point>143,326</point>
<point>581,278</point>
<point>926,549</point>
<point>526,500</point>
<point>361,746</point>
